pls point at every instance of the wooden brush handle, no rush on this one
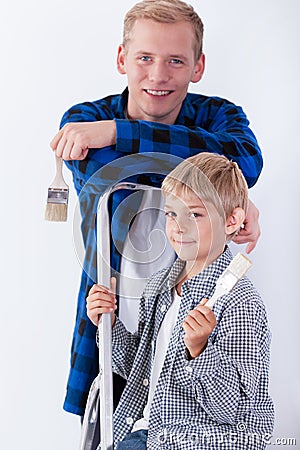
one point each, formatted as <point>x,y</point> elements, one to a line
<point>59,181</point>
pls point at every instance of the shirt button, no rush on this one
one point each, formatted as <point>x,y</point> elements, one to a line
<point>145,382</point>
<point>189,369</point>
<point>163,308</point>
<point>129,420</point>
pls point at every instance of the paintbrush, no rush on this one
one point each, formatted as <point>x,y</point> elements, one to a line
<point>231,275</point>
<point>58,196</point>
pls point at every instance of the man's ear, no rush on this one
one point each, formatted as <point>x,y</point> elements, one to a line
<point>121,60</point>
<point>198,69</point>
<point>234,221</point>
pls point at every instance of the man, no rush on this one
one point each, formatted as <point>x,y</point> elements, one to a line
<point>161,54</point>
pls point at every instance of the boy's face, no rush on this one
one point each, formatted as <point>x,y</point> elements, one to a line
<point>195,230</point>
<point>159,61</point>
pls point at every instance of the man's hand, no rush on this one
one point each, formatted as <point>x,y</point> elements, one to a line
<point>251,230</point>
<point>74,140</point>
<point>101,300</point>
<point>198,325</point>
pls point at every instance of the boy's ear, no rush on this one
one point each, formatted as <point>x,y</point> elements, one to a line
<point>234,221</point>
<point>198,69</point>
<point>121,60</point>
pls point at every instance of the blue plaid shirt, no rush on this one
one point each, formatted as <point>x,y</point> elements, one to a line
<point>220,399</point>
<point>144,152</point>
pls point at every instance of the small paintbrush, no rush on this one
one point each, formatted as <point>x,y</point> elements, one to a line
<point>58,196</point>
<point>231,275</point>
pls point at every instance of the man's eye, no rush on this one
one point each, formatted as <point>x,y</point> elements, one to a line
<point>176,61</point>
<point>145,58</point>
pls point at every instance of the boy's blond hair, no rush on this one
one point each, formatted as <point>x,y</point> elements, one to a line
<point>165,11</point>
<point>213,178</point>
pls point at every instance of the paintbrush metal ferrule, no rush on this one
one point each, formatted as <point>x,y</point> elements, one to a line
<point>228,279</point>
<point>57,195</point>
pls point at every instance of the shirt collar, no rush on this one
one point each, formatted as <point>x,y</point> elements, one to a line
<point>185,115</point>
<point>122,104</point>
<point>204,281</point>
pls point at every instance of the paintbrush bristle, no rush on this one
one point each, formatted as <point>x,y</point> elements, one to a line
<point>57,205</point>
<point>231,275</point>
<point>56,212</point>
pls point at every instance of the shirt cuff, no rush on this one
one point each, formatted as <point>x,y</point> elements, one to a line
<point>118,333</point>
<point>127,136</point>
<point>205,364</point>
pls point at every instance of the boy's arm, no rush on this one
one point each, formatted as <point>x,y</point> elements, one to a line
<point>125,344</point>
<point>124,349</point>
<point>232,371</point>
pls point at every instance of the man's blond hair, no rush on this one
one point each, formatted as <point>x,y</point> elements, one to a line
<point>165,11</point>
<point>213,178</point>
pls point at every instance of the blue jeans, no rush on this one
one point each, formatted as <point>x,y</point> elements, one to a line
<point>134,441</point>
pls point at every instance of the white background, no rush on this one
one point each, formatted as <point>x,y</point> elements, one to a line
<point>57,53</point>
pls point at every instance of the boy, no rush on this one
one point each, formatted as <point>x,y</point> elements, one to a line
<point>196,377</point>
<point>160,55</point>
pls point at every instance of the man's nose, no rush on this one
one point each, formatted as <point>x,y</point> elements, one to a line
<point>159,72</point>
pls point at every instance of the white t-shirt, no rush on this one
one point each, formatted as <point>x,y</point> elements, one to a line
<point>162,342</point>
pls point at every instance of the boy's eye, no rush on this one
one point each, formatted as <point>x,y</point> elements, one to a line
<point>170,214</point>
<point>195,215</point>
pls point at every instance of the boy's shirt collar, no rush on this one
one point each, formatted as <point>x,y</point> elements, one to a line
<point>214,269</point>
<point>204,282</point>
<point>157,293</point>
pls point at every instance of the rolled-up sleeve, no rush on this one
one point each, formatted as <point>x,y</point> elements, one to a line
<point>225,378</point>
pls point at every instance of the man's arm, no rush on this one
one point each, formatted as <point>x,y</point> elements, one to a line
<point>74,140</point>
<point>250,232</point>
<point>205,124</point>
<point>184,142</point>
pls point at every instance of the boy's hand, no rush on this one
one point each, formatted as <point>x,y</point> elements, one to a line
<point>198,325</point>
<point>101,300</point>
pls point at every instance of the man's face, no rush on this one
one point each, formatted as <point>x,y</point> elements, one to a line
<point>195,230</point>
<point>159,61</point>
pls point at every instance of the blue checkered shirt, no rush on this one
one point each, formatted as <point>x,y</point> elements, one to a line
<point>144,152</point>
<point>218,400</point>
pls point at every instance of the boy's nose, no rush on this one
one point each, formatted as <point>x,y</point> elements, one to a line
<point>179,226</point>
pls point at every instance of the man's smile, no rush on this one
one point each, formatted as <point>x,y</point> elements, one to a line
<point>158,93</point>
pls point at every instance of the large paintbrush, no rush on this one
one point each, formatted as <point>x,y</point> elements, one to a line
<point>58,196</point>
<point>231,275</point>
